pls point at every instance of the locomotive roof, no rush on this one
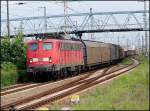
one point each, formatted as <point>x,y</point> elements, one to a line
<point>50,40</point>
<point>93,41</point>
<point>96,44</point>
<point>87,42</point>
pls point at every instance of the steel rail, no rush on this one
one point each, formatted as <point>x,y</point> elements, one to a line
<point>30,98</point>
<point>20,88</point>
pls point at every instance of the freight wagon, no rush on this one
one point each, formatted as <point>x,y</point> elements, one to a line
<point>130,52</point>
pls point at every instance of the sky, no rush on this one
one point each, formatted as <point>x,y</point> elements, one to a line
<point>32,8</point>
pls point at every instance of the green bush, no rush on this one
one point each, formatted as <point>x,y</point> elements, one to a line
<point>14,50</point>
<point>5,50</point>
<point>9,75</point>
<point>13,60</point>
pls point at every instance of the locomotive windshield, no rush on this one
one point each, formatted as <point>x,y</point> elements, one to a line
<point>47,46</point>
<point>33,46</point>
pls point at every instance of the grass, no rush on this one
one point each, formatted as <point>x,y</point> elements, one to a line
<point>8,74</point>
<point>129,92</point>
<point>126,61</point>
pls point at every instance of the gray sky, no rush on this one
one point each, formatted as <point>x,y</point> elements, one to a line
<point>31,8</point>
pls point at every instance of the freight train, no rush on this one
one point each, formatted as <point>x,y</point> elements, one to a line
<point>59,57</point>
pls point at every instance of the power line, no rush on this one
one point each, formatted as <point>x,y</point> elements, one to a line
<point>67,7</point>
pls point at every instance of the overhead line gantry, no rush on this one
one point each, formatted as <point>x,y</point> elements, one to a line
<point>78,23</point>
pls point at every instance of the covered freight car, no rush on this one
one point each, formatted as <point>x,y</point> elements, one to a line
<point>114,52</point>
<point>97,52</point>
<point>121,52</point>
<point>130,52</point>
<point>102,53</point>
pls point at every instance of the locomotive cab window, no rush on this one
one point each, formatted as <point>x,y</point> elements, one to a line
<point>33,46</point>
<point>47,46</point>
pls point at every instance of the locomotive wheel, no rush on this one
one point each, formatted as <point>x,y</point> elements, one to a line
<point>65,73</point>
<point>61,74</point>
<point>79,70</point>
<point>48,76</point>
<point>69,72</point>
<point>55,76</point>
<point>72,73</point>
<point>29,76</point>
<point>75,72</point>
<point>58,74</point>
<point>34,77</point>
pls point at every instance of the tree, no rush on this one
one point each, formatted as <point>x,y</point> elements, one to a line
<point>14,50</point>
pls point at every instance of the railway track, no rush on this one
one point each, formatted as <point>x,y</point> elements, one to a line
<point>19,104</point>
<point>67,89</point>
<point>24,87</point>
<point>12,87</point>
<point>21,87</point>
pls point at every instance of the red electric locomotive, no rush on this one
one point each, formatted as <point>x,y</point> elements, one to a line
<point>54,55</point>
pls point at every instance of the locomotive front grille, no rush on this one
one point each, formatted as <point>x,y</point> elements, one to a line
<point>46,59</point>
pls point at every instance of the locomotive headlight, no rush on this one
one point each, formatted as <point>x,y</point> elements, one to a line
<point>31,60</point>
<point>50,59</point>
